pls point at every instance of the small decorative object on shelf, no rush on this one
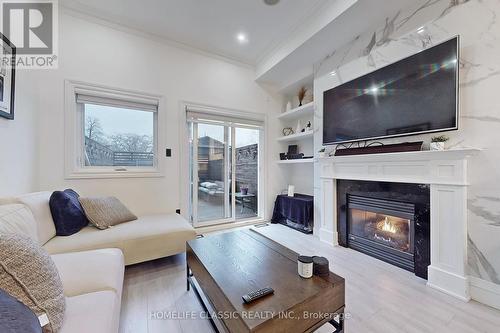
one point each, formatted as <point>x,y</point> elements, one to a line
<point>322,153</point>
<point>295,156</point>
<point>308,126</point>
<point>293,149</point>
<point>438,142</point>
<point>291,190</point>
<point>298,129</point>
<point>288,106</point>
<point>293,153</point>
<point>288,131</point>
<point>301,94</point>
<point>282,156</point>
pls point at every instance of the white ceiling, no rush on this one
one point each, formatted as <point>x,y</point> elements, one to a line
<point>212,25</point>
<point>284,40</point>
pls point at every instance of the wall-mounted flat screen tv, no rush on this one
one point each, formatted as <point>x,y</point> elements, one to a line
<point>412,96</point>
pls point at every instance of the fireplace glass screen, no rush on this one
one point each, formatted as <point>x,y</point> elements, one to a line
<point>388,230</point>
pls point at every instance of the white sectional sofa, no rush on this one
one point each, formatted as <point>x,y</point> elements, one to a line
<point>91,262</point>
<point>92,282</point>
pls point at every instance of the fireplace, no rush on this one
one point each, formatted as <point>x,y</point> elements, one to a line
<point>388,221</point>
<point>382,228</point>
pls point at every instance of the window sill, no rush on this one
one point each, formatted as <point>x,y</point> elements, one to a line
<point>105,174</point>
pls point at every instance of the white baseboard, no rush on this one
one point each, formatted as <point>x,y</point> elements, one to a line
<point>449,283</point>
<point>485,292</point>
<point>329,237</point>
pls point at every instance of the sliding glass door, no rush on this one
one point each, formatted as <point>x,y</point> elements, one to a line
<point>246,168</point>
<point>225,166</point>
<point>212,172</point>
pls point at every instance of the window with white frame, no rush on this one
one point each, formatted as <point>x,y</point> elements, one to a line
<point>114,132</point>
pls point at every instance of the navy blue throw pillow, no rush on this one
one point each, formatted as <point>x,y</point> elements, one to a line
<point>67,213</point>
<point>16,317</point>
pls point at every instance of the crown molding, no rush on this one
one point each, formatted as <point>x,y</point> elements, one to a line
<point>112,24</point>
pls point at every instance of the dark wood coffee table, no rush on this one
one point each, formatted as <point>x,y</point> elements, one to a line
<point>223,267</point>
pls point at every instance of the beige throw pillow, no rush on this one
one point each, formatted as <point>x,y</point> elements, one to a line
<point>106,212</point>
<point>28,273</point>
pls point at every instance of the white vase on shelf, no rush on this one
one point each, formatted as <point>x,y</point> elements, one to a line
<point>298,129</point>
<point>437,146</point>
<point>288,106</point>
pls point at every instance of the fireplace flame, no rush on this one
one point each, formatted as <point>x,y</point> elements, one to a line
<point>388,226</point>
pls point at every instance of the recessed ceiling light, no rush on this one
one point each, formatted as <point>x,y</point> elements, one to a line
<point>242,38</point>
<point>332,73</point>
<point>271,2</point>
<point>421,30</point>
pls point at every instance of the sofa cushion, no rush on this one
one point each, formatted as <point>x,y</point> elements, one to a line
<point>106,212</point>
<point>149,237</point>
<point>16,317</point>
<point>209,185</point>
<point>67,212</point>
<point>38,203</point>
<point>18,219</point>
<point>93,312</point>
<point>28,273</point>
<point>96,270</point>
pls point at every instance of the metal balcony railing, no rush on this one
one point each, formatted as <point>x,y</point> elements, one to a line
<point>97,154</point>
<point>126,158</point>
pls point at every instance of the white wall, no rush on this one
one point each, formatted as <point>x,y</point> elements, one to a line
<point>301,176</point>
<point>475,21</point>
<point>18,139</point>
<point>94,53</point>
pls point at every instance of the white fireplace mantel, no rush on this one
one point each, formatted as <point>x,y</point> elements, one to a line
<point>445,172</point>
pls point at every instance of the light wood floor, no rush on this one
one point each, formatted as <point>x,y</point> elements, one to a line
<point>379,297</point>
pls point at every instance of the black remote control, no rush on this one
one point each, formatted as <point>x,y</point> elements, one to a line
<point>250,297</point>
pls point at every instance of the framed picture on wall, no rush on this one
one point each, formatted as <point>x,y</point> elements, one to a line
<point>7,78</point>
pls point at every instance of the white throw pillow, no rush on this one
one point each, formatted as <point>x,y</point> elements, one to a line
<point>18,219</point>
<point>38,203</point>
<point>8,201</point>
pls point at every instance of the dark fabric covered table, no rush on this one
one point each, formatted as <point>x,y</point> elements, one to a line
<point>296,212</point>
